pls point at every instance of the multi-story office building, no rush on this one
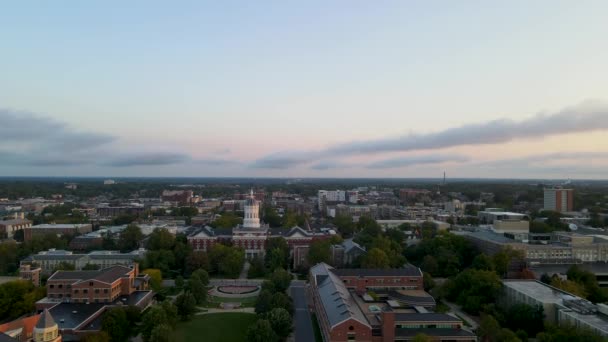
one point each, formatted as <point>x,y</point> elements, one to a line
<point>560,307</point>
<point>558,199</point>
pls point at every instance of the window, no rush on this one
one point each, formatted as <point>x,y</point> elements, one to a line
<point>91,283</point>
<point>52,286</point>
<point>60,286</point>
<point>96,290</point>
<point>85,291</point>
<point>105,290</point>
<point>76,291</point>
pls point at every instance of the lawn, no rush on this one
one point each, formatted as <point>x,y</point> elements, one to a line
<point>221,327</point>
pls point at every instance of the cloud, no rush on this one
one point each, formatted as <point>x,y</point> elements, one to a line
<point>282,160</point>
<point>148,159</point>
<point>416,160</point>
<point>546,158</point>
<point>44,133</point>
<point>326,165</point>
<point>586,117</point>
<point>216,162</point>
<point>13,159</point>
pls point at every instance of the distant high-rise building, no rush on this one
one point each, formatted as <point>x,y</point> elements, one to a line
<point>558,199</point>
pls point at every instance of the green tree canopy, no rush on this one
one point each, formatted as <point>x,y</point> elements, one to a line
<point>186,305</point>
<point>130,238</point>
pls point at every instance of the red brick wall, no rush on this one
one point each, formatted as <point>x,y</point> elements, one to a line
<point>361,331</point>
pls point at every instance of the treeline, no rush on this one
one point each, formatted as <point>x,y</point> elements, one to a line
<point>18,298</point>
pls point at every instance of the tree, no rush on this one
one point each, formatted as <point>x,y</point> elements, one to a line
<point>428,281</point>
<point>528,318</point>
<point>18,297</point>
<point>473,288</point>
<point>422,338</point>
<point>391,248</point>
<point>375,258</point>
<point>277,253</point>
<point>568,333</point>
<point>9,257</point>
<point>161,333</point>
<point>170,313</point>
<point>261,331</point>
<point>154,317</point>
<point>271,217</point>
<point>545,278</point>
<point>429,264</point>
<point>156,278</point>
<point>227,220</point>
<point>280,321</point>
<point>196,260</point>
<point>100,336</point>
<point>160,238</point>
<point>487,328</point>
<point>263,303</point>
<point>319,251</point>
<point>186,305</point>
<point>227,261</point>
<point>257,269</point>
<point>483,262</point>
<point>116,324</point>
<point>161,259</point>
<point>179,282</point>
<point>197,285</point>
<point>569,286</point>
<point>503,258</point>
<point>282,300</point>
<point>280,279</point>
<point>345,225</point>
<point>130,238</point>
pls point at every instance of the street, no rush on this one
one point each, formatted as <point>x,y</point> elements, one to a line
<point>303,323</point>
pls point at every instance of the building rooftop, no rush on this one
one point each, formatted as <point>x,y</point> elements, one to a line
<point>426,317</point>
<point>61,226</point>
<point>15,221</point>
<point>107,275</point>
<point>435,332</point>
<point>537,290</point>
<point>45,321</point>
<point>336,300</point>
<point>407,271</point>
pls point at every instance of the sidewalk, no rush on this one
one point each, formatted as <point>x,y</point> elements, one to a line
<point>455,309</point>
<point>214,311</point>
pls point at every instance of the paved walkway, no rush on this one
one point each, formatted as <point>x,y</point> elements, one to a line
<point>214,311</point>
<point>456,310</point>
<point>245,270</point>
<point>303,323</point>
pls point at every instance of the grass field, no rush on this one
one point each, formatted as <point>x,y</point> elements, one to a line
<point>221,327</point>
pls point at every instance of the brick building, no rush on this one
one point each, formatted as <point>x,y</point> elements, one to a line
<point>59,229</point>
<point>9,227</point>
<point>180,197</point>
<point>27,272</point>
<point>398,310</point>
<point>103,286</point>
<point>252,236</point>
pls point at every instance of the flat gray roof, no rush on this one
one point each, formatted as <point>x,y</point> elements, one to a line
<point>537,290</point>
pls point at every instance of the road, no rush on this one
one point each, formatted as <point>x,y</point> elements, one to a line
<point>303,323</point>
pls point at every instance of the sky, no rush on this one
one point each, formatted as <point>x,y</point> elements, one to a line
<point>501,89</point>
